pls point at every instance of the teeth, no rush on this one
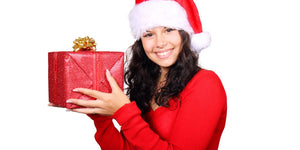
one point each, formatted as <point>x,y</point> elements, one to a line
<point>163,53</point>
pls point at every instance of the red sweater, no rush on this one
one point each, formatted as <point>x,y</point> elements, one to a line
<point>195,123</point>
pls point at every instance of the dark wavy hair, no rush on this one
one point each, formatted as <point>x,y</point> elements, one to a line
<point>142,75</point>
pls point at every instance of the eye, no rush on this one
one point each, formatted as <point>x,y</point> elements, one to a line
<point>147,35</point>
<point>169,29</point>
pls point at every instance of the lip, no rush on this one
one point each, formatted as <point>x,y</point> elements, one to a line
<point>164,53</point>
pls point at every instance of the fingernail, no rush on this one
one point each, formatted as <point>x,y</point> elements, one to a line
<point>69,101</point>
<point>75,90</point>
<point>107,71</point>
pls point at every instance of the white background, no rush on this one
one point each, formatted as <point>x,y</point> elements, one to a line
<point>254,50</point>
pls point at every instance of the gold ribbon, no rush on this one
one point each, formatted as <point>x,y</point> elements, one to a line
<point>84,44</point>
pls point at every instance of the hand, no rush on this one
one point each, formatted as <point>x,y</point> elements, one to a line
<point>105,103</point>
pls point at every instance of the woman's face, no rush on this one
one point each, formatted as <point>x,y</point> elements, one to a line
<point>162,45</point>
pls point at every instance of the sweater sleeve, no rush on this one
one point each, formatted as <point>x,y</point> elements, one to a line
<point>137,131</point>
<point>107,136</point>
<point>128,116</point>
<point>199,123</point>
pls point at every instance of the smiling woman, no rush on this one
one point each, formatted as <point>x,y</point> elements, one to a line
<point>171,103</point>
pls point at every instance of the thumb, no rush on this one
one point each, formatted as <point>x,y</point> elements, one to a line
<point>112,82</point>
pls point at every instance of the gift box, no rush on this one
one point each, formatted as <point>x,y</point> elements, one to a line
<point>84,69</point>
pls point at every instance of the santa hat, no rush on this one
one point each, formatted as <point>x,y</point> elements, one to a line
<point>177,14</point>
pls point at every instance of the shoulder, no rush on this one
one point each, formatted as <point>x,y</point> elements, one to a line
<point>205,73</point>
<point>204,84</point>
<point>204,78</point>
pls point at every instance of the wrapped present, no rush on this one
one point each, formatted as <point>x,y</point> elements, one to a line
<point>81,69</point>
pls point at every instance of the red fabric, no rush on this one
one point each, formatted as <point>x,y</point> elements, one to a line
<point>192,14</point>
<point>69,70</point>
<point>139,1</point>
<point>196,123</point>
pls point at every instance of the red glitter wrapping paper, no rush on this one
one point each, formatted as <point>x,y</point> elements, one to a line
<point>86,69</point>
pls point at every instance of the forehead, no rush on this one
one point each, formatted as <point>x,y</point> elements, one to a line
<point>159,28</point>
<point>156,28</point>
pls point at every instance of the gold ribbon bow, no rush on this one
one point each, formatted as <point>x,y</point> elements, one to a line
<point>84,44</point>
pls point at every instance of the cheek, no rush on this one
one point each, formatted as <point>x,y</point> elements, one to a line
<point>147,45</point>
<point>177,40</point>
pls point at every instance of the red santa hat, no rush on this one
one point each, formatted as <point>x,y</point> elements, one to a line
<point>178,14</point>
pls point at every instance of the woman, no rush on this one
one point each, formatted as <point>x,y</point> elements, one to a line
<point>172,103</point>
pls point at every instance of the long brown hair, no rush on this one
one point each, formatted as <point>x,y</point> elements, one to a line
<point>142,75</point>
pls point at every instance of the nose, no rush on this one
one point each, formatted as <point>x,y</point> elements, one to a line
<point>161,41</point>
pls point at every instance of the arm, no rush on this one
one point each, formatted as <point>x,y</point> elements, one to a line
<point>199,123</point>
<point>107,136</point>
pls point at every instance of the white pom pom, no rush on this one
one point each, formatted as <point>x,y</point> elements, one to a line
<point>200,41</point>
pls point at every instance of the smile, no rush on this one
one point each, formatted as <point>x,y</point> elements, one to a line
<point>164,54</point>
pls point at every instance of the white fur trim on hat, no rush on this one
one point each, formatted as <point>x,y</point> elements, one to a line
<point>200,41</point>
<point>149,14</point>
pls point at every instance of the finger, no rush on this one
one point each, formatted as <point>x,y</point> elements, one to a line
<point>86,103</point>
<point>87,110</point>
<point>89,92</point>
<point>52,105</point>
<point>112,82</point>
